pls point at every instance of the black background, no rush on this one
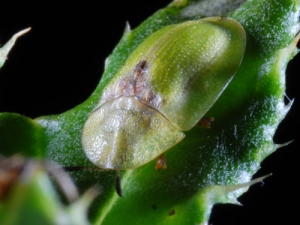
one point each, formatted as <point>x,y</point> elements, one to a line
<point>59,63</point>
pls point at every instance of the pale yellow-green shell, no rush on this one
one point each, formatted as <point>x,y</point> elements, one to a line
<point>165,87</point>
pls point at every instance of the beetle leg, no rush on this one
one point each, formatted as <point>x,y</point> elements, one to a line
<point>118,184</point>
<point>205,122</point>
<point>161,162</point>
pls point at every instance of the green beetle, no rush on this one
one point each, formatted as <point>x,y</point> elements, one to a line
<point>165,87</point>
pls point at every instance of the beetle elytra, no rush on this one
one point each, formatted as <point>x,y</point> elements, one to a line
<point>164,88</point>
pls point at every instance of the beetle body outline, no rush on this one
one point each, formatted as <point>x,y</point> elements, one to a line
<point>165,87</point>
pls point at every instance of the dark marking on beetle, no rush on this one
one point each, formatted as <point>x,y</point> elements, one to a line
<point>161,162</point>
<point>140,68</point>
<point>154,207</point>
<point>140,77</point>
<point>134,84</point>
<point>172,212</point>
<point>205,122</point>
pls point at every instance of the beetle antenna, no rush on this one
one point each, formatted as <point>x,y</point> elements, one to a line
<point>118,184</point>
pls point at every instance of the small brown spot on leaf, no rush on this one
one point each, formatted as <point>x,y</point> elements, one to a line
<point>154,207</point>
<point>172,212</point>
<point>161,162</point>
<point>205,122</point>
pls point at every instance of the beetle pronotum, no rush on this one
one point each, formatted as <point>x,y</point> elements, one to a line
<point>165,87</point>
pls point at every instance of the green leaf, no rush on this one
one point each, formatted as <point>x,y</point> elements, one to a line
<point>21,135</point>
<point>246,117</point>
<point>28,196</point>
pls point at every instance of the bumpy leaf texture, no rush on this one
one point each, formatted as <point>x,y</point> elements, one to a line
<point>206,166</point>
